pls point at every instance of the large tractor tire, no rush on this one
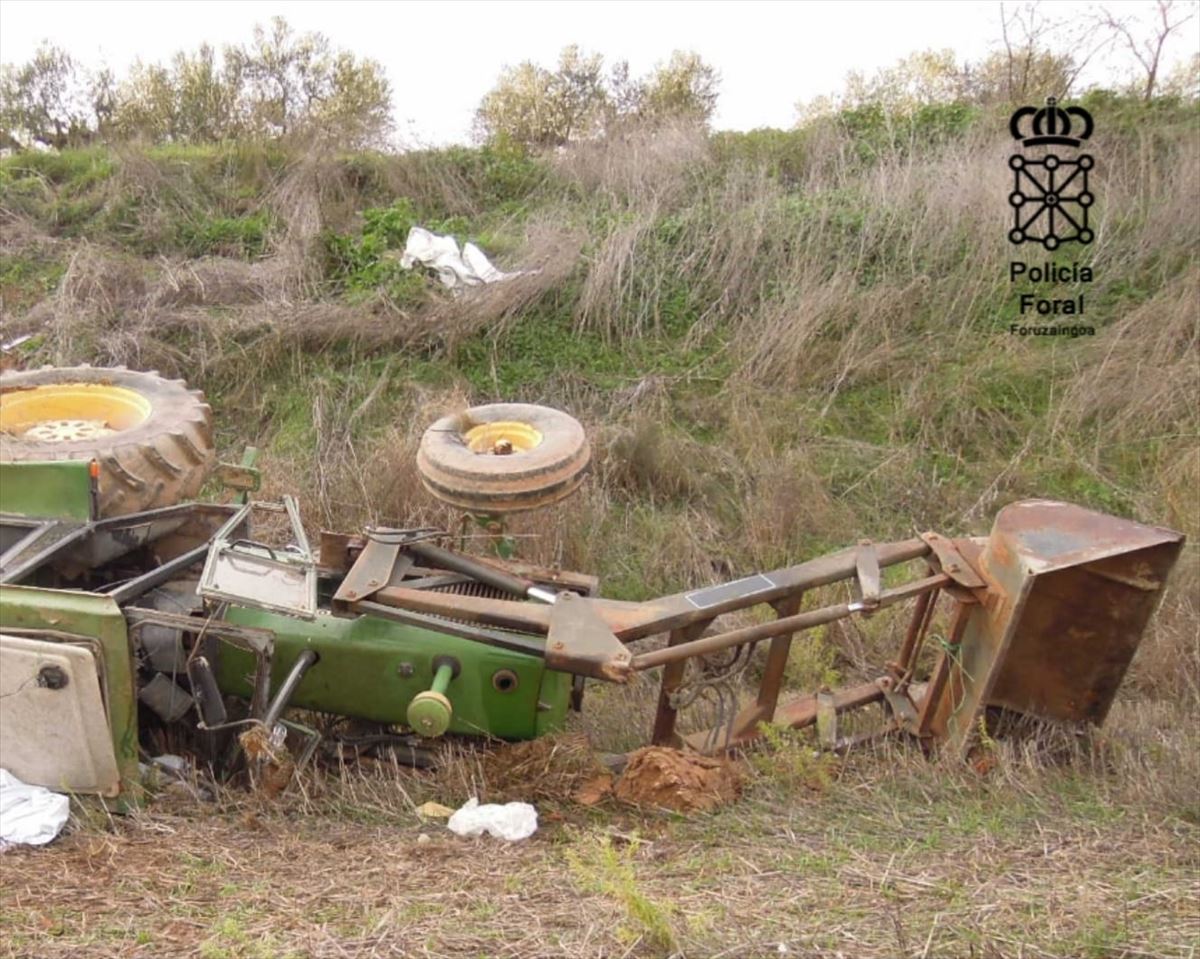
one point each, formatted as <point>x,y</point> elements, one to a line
<point>151,438</point>
<point>503,458</point>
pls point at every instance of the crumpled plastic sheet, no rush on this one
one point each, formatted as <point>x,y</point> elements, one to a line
<point>455,268</point>
<point>29,815</point>
<point>512,821</point>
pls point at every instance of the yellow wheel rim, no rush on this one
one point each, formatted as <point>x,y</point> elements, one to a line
<point>67,412</point>
<point>502,438</point>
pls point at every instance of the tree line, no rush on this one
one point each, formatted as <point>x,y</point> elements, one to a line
<point>280,83</point>
<point>1038,55</point>
<point>283,83</point>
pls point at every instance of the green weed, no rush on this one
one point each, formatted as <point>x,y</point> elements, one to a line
<point>244,237</point>
<point>597,865</point>
<point>27,278</point>
<point>790,761</point>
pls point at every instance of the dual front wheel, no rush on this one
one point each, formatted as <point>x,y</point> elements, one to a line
<point>504,457</point>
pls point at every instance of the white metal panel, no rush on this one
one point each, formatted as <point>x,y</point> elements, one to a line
<point>57,738</point>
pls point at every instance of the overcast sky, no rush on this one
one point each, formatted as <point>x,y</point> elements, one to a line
<point>442,57</point>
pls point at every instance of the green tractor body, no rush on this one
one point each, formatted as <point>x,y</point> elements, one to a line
<point>134,621</point>
<point>371,669</point>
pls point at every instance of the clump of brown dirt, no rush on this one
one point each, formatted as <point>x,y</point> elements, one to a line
<point>687,782</point>
<point>596,789</point>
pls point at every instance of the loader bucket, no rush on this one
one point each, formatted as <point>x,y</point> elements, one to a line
<point>1068,593</point>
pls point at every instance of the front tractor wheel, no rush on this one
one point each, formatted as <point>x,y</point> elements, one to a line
<point>150,437</point>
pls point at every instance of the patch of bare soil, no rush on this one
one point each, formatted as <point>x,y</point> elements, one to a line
<point>669,778</point>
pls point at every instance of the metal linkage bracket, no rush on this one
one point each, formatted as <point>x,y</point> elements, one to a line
<point>949,559</point>
<point>579,641</point>
<point>370,572</point>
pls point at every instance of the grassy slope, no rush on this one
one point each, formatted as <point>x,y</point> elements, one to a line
<point>780,343</point>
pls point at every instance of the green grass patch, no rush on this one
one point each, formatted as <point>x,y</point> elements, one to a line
<point>27,278</point>
<point>244,237</point>
<point>76,168</point>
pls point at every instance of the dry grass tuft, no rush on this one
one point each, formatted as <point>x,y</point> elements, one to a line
<point>611,278</point>
<point>1144,374</point>
<point>299,200</point>
<point>22,234</point>
<point>545,771</point>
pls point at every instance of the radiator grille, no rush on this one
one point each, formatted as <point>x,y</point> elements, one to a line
<point>482,590</point>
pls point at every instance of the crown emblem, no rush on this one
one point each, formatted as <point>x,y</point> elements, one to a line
<point>1052,124</point>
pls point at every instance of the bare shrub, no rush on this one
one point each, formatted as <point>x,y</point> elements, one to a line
<point>644,457</point>
<point>194,319</point>
<point>792,506</point>
<point>210,281</point>
<point>150,197</point>
<point>640,166</point>
<point>355,478</point>
<point>22,234</point>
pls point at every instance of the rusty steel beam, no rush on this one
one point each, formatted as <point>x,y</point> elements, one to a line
<point>789,624</point>
<point>777,657</point>
<point>948,558</point>
<point>672,679</point>
<point>671,612</point>
<point>505,613</point>
<point>941,672</point>
<point>796,714</point>
<point>917,627</point>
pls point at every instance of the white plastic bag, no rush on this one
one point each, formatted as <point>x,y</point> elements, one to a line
<point>29,814</point>
<point>455,269</point>
<point>512,821</point>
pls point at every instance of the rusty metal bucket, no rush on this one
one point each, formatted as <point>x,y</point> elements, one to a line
<point>1068,593</point>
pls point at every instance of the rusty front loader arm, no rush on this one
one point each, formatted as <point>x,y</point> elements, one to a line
<point>633,621</point>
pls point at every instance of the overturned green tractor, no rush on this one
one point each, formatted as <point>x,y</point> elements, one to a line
<point>134,618</point>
